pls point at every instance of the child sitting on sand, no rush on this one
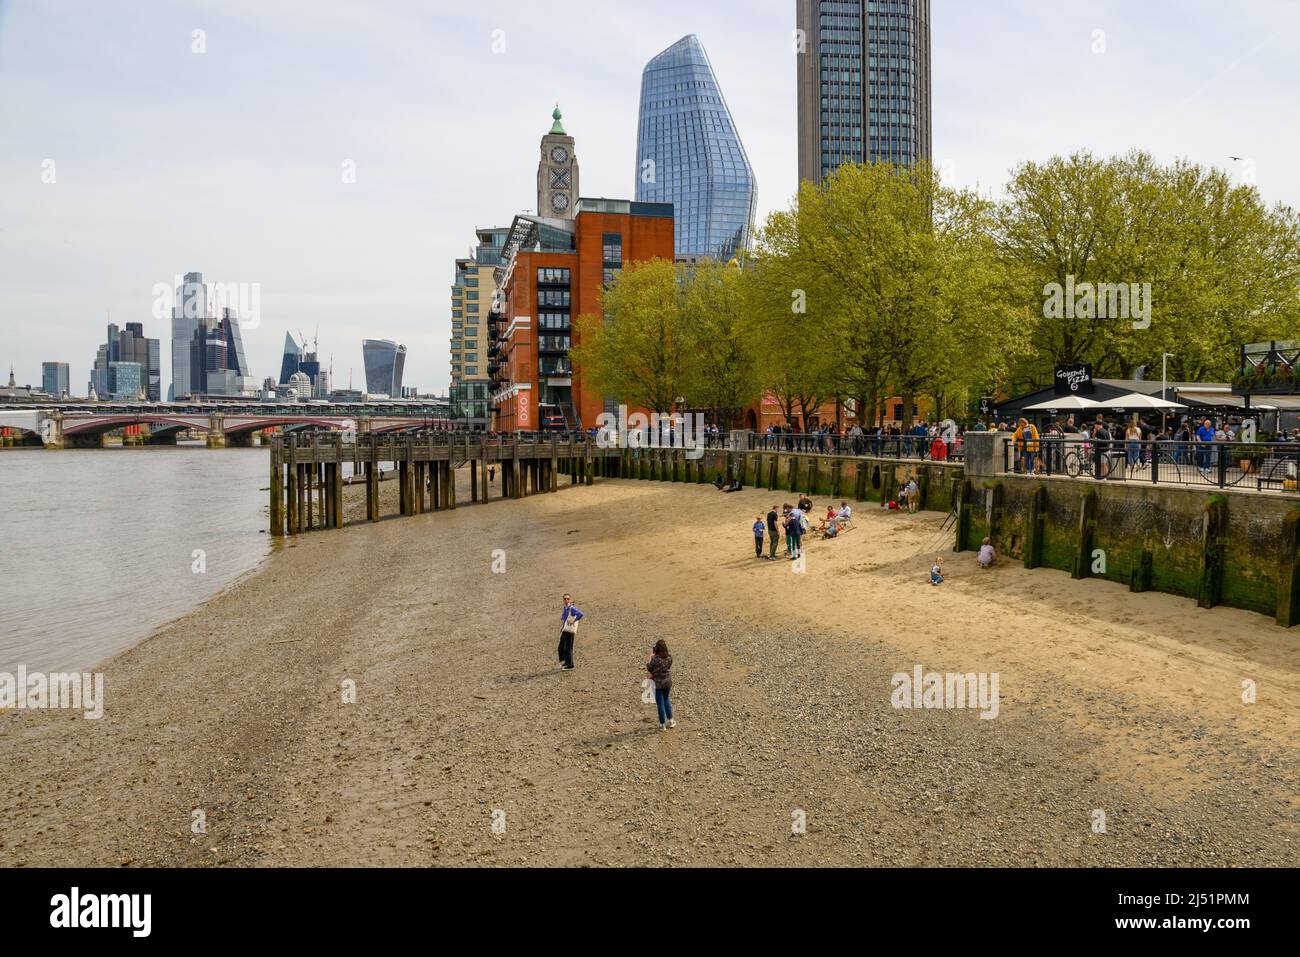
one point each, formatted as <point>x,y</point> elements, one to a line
<point>936,571</point>
<point>988,558</point>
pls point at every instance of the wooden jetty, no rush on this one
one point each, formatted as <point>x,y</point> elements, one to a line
<point>307,472</point>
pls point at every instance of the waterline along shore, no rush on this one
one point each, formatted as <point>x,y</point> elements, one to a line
<point>388,694</point>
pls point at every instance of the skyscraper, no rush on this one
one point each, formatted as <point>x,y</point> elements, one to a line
<point>54,378</point>
<point>863,83</point>
<point>188,356</point>
<point>384,360</point>
<point>689,154</point>
<point>127,345</point>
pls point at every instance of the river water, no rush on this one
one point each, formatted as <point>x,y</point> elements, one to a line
<point>98,547</point>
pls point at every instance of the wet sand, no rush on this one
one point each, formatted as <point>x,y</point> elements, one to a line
<point>1126,704</point>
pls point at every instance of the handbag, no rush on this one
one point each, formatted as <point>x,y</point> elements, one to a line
<point>570,626</point>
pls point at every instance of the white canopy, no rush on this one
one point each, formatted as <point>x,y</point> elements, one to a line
<point>1137,400</point>
<point>1064,403</point>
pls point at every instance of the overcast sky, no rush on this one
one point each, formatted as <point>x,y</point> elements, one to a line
<point>230,161</point>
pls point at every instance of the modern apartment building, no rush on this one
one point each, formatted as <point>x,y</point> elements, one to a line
<point>863,83</point>
<point>471,298</point>
<point>690,155</point>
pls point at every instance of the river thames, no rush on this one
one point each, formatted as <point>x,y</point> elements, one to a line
<point>99,548</point>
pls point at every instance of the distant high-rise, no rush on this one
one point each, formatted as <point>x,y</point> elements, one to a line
<point>54,378</point>
<point>127,345</point>
<point>689,154</point>
<point>384,360</point>
<point>863,84</point>
<point>188,353</point>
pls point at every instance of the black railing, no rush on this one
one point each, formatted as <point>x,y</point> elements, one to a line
<point>1244,465</point>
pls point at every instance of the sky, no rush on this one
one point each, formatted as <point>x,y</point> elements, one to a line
<point>135,148</point>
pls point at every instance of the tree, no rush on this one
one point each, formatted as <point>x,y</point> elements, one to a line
<point>634,352</point>
<point>719,371</point>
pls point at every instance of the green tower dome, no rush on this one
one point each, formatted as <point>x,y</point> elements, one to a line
<point>558,127</point>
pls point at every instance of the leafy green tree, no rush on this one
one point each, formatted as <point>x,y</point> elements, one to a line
<point>634,351</point>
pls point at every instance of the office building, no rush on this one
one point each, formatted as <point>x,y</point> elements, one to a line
<point>384,360</point>
<point>55,379</point>
<point>690,155</point>
<point>127,345</point>
<point>188,315</point>
<point>126,381</point>
<point>863,83</point>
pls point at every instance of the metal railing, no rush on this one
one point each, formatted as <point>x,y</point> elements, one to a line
<point>1256,465</point>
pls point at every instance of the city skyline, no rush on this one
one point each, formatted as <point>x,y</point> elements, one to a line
<point>268,198</point>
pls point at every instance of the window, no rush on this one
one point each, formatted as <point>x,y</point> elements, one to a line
<point>471,370</point>
<point>553,276</point>
<point>611,254</point>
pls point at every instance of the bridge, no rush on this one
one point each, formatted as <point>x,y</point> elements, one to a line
<point>230,424</point>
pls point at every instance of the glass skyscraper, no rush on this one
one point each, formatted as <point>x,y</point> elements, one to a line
<point>384,360</point>
<point>863,83</point>
<point>689,154</point>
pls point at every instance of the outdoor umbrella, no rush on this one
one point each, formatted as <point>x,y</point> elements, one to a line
<point>1065,403</point>
<point>1135,401</point>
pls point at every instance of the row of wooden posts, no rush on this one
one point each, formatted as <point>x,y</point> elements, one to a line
<point>306,479</point>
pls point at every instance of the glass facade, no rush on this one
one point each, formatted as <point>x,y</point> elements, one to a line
<point>689,154</point>
<point>384,360</point>
<point>864,81</point>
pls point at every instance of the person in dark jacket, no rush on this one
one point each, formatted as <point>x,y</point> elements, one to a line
<point>660,668</point>
<point>569,618</point>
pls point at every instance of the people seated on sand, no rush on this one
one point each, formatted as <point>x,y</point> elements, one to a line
<point>717,482</point>
<point>845,514</point>
<point>805,504</point>
<point>826,522</point>
<point>987,557</point>
<point>734,486</point>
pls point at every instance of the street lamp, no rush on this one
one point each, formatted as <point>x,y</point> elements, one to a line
<point>1164,385</point>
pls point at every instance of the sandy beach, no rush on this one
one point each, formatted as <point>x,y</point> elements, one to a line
<point>1130,705</point>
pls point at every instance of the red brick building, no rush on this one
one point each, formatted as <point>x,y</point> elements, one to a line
<point>554,268</point>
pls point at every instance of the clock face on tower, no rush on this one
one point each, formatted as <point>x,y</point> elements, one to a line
<point>559,154</point>
<point>559,202</point>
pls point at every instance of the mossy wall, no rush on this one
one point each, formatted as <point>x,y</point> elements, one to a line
<point>1166,521</point>
<point>826,476</point>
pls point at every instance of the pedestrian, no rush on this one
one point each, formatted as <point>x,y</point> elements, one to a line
<point>492,473</point>
<point>660,669</point>
<point>987,557</point>
<point>759,527</point>
<point>794,532</point>
<point>569,618</point>
<point>772,536</point>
